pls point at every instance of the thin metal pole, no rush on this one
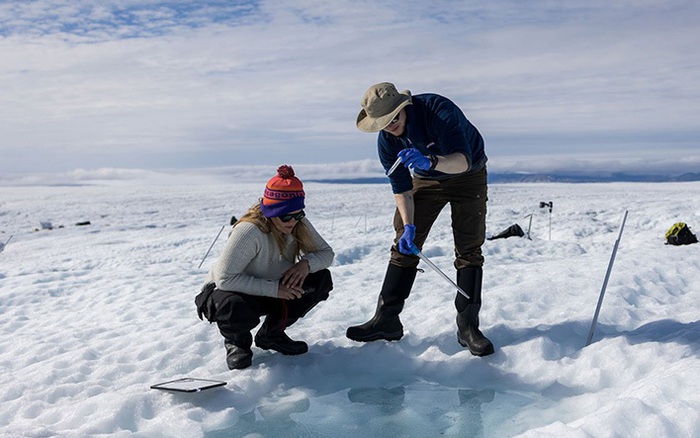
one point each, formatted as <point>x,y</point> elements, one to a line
<point>3,245</point>
<point>529,226</point>
<point>211,246</point>
<point>427,261</point>
<point>605,281</point>
<point>358,222</point>
<point>549,204</point>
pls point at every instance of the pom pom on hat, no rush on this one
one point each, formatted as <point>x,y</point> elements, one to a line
<point>284,193</point>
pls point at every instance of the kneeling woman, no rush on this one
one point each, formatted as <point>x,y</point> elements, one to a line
<point>274,264</point>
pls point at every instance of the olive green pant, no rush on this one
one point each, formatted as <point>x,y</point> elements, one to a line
<point>467,196</point>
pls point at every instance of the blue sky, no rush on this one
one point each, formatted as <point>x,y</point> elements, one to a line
<point>192,84</point>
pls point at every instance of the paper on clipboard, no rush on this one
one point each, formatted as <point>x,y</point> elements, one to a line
<point>188,384</point>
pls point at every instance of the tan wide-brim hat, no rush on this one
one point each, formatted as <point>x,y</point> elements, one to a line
<point>380,104</point>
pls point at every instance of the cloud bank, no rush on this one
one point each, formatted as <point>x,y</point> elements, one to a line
<point>175,84</point>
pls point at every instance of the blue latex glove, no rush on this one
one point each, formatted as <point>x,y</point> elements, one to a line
<point>406,244</point>
<point>413,159</point>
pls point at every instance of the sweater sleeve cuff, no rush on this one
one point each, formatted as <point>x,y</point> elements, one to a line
<point>270,288</point>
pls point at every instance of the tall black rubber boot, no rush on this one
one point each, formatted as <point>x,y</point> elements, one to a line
<point>468,333</point>
<point>385,324</point>
<point>238,352</point>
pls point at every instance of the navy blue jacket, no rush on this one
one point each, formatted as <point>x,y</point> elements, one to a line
<point>434,125</point>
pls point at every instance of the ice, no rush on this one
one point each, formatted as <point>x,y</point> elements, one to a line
<point>92,315</point>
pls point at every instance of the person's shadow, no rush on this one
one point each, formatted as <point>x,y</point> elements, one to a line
<point>387,402</point>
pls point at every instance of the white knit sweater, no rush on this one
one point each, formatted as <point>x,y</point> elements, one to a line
<point>251,262</point>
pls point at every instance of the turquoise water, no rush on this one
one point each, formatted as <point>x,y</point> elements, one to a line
<point>420,410</point>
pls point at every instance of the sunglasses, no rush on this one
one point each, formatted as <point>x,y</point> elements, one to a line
<point>296,216</point>
<point>395,119</point>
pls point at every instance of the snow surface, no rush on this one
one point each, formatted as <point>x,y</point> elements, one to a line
<point>92,315</point>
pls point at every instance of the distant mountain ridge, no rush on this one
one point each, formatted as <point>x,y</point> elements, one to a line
<point>513,177</point>
<point>497,177</point>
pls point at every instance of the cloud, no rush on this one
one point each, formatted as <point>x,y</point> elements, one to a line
<point>154,84</point>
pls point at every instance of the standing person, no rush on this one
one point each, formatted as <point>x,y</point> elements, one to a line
<point>431,136</point>
<point>274,264</point>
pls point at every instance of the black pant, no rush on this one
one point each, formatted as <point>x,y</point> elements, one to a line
<point>467,196</point>
<point>238,313</point>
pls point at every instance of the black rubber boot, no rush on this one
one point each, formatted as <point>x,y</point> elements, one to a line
<point>271,336</point>
<point>385,324</point>
<point>238,353</point>
<point>468,333</point>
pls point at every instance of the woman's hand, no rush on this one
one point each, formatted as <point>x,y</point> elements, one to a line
<point>292,281</point>
<point>294,277</point>
<point>287,293</point>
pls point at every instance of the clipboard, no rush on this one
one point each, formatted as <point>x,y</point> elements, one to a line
<point>188,384</point>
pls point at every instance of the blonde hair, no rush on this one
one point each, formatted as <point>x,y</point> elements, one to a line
<point>302,237</point>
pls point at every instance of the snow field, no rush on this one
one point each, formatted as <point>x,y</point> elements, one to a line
<point>92,315</point>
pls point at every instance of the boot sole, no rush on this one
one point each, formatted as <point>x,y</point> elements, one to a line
<point>395,336</point>
<point>240,365</point>
<point>489,350</point>
<point>272,346</point>
<point>243,361</point>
